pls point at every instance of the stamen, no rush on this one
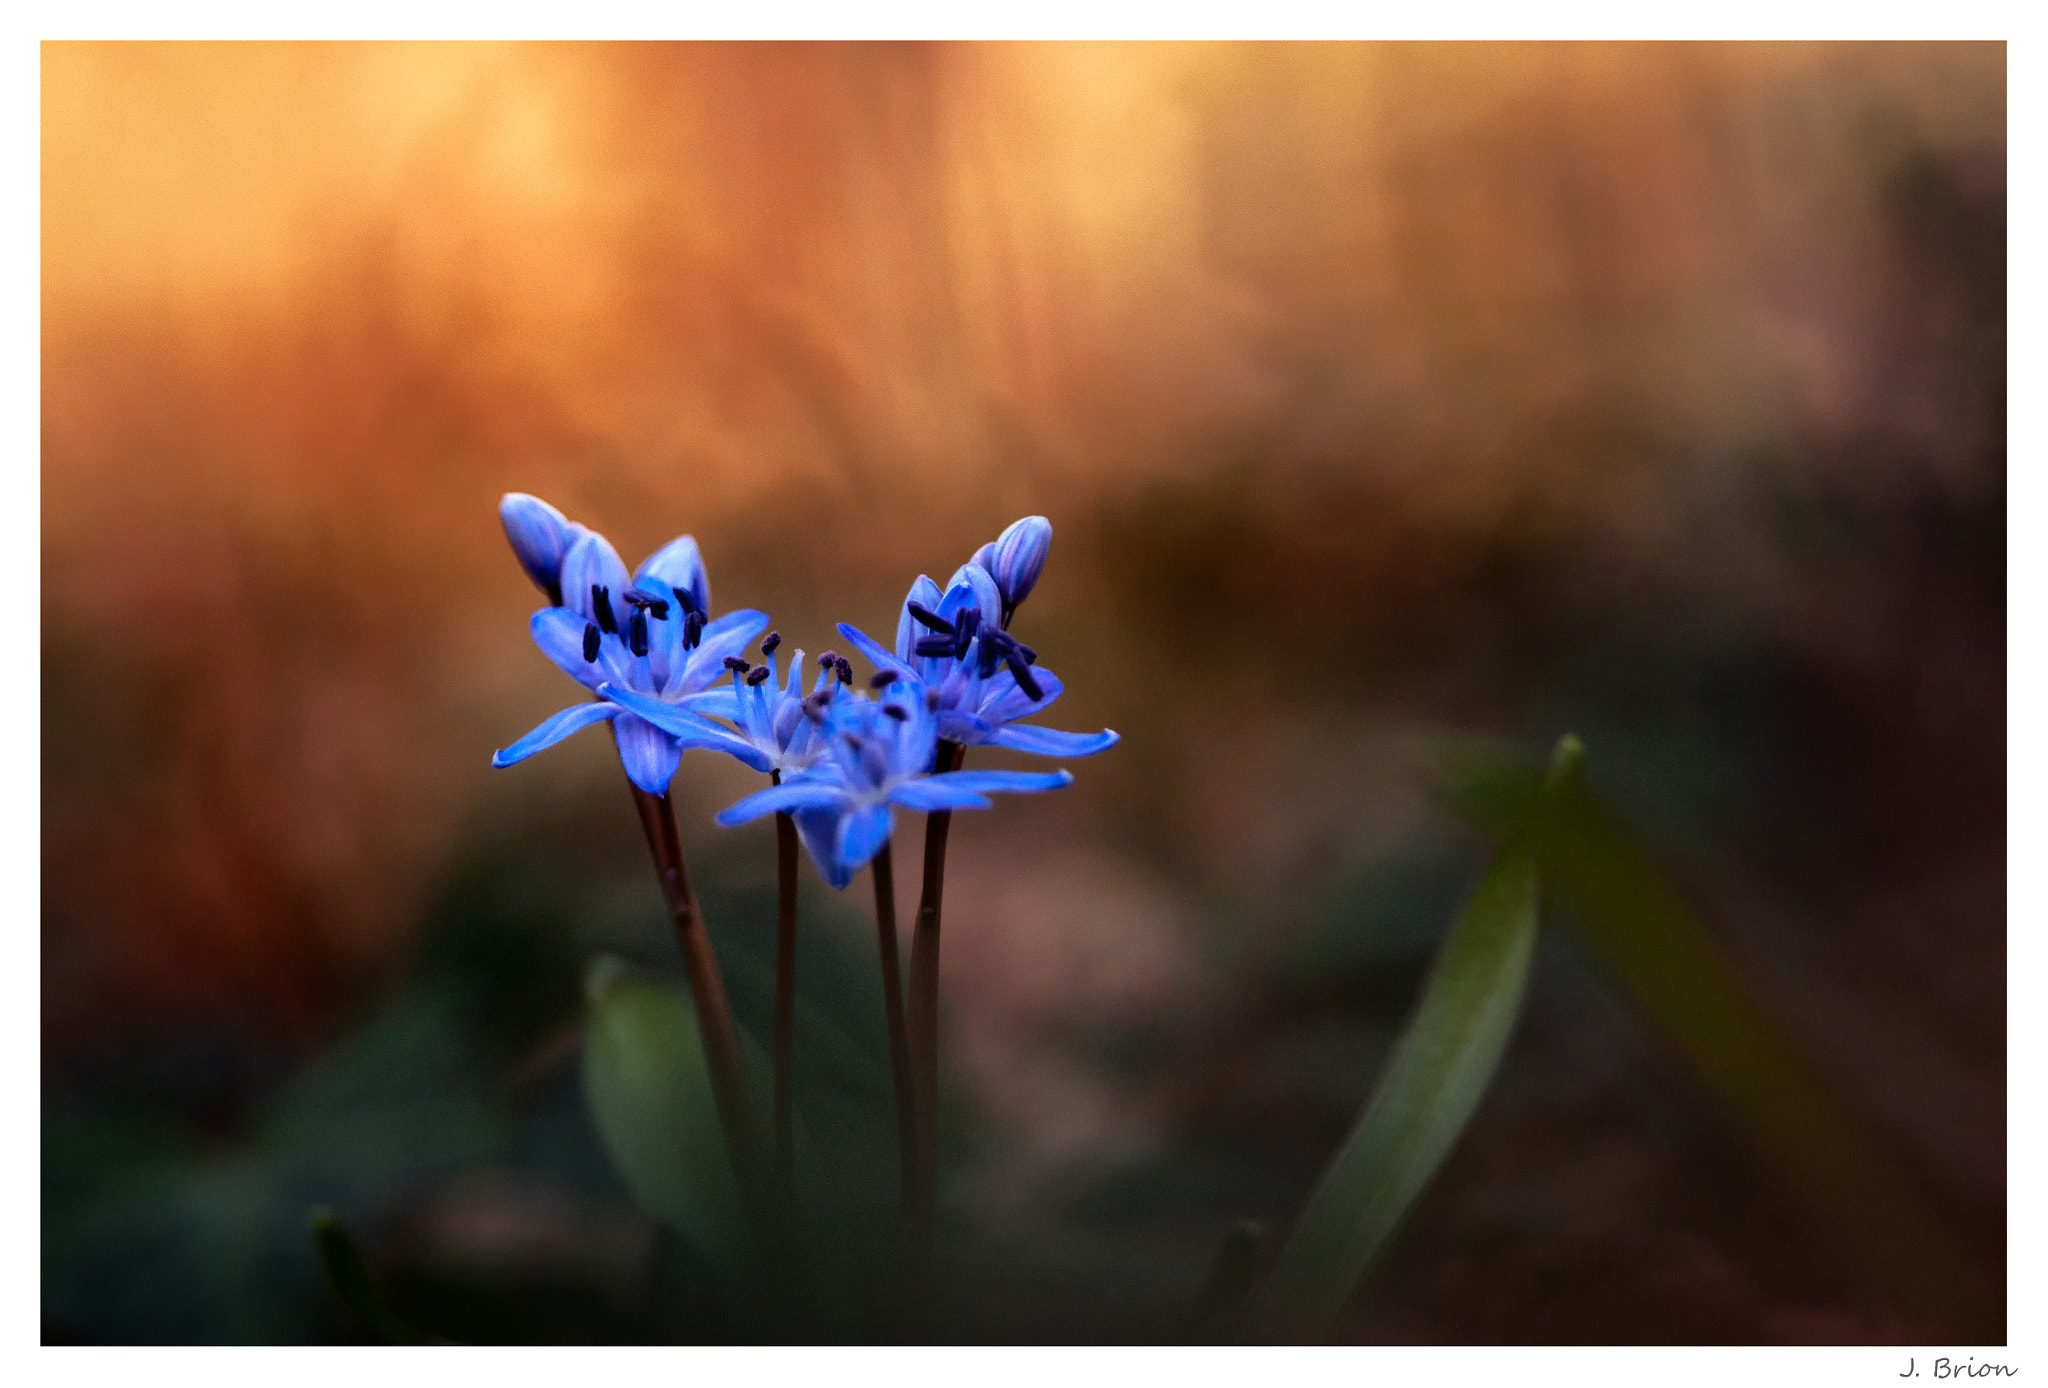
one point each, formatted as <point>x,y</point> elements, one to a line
<point>844,668</point>
<point>736,665</point>
<point>882,679</point>
<point>935,645</point>
<point>601,602</point>
<point>759,677</point>
<point>963,632</point>
<point>989,656</point>
<point>636,633</point>
<point>655,607</point>
<point>930,618</point>
<point>773,640</point>
<point>931,701</point>
<point>592,640</point>
<point>1025,679</point>
<point>1030,656</point>
<point>693,629</point>
<point>688,600</point>
<point>814,706</point>
<point>828,660</point>
<point>892,711</point>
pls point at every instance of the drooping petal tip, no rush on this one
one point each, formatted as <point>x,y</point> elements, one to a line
<point>570,720</point>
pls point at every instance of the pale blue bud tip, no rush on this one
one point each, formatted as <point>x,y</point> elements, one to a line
<point>1019,555</point>
<point>540,536</point>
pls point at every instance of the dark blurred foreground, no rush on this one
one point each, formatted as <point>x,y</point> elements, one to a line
<point>1381,399</point>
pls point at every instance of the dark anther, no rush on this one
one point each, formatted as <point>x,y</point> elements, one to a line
<point>736,665</point>
<point>882,679</point>
<point>688,600</point>
<point>844,667</point>
<point>601,602</point>
<point>693,629</point>
<point>963,632</point>
<point>592,639</point>
<point>759,677</point>
<point>989,656</point>
<point>656,608</point>
<point>826,661</point>
<point>930,618</point>
<point>636,633</point>
<point>1025,680</point>
<point>773,640</point>
<point>896,713</point>
<point>931,701</point>
<point>814,706</point>
<point>935,645</point>
<point>1030,656</point>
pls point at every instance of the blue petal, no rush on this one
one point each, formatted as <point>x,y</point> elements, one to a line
<point>559,634</point>
<point>1014,782</point>
<point>664,634</point>
<point>729,635</point>
<point>925,593</point>
<point>721,702</point>
<point>861,836</point>
<point>679,565</point>
<point>1020,554</point>
<point>1049,742</point>
<point>649,753</point>
<point>684,728</point>
<point>819,830</point>
<point>972,586</point>
<point>928,793</point>
<point>570,720</point>
<point>540,536</point>
<point>967,729</point>
<point>791,796</point>
<point>872,649</point>
<point>1003,702</point>
<point>592,561</point>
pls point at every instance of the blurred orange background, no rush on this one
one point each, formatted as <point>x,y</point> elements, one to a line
<point>1359,382</point>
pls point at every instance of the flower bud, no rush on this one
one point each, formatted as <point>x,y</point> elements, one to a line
<point>1017,556</point>
<point>540,536</point>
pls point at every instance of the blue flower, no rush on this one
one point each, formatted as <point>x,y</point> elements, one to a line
<point>647,635</point>
<point>540,536</point>
<point>954,645</point>
<point>1014,558</point>
<point>770,714</point>
<point>877,756</point>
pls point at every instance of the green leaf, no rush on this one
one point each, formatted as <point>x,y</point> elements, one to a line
<point>1439,1070</point>
<point>1642,936</point>
<point>650,1094</point>
<point>1228,1289</point>
<point>351,1280</point>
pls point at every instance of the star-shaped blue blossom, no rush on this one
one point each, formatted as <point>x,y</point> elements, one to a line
<point>648,635</point>
<point>954,644</point>
<point>770,713</point>
<point>878,757</point>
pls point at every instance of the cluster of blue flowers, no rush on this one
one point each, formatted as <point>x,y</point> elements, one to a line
<point>669,677</point>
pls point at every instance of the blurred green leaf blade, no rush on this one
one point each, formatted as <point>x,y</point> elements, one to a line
<point>649,1090</point>
<point>350,1277</point>
<point>1636,927</point>
<point>1439,1071</point>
